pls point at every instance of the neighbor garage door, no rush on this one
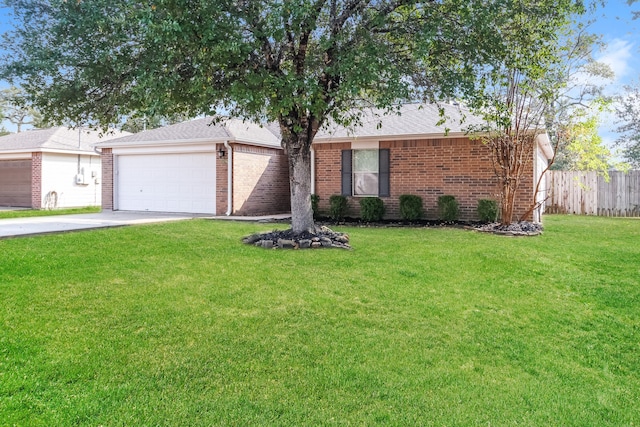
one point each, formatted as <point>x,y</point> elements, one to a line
<point>15,183</point>
<point>166,183</point>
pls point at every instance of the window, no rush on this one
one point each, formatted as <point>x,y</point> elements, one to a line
<point>365,172</point>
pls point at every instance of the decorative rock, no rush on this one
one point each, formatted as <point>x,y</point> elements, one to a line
<point>254,238</point>
<point>342,239</point>
<point>285,244</point>
<point>322,237</point>
<point>305,243</point>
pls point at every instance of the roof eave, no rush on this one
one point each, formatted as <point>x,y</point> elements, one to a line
<point>400,137</point>
<point>192,141</point>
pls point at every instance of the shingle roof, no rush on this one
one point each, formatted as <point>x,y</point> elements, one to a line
<point>56,138</point>
<point>414,119</point>
<point>202,129</point>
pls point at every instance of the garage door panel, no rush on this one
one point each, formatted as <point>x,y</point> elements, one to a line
<point>167,182</point>
<point>15,183</point>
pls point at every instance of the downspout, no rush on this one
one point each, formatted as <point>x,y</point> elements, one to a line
<point>229,178</point>
<point>313,171</point>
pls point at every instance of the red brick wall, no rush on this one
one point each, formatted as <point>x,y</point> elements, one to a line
<point>107,179</point>
<point>260,181</point>
<point>36,180</point>
<point>428,168</point>
<point>222,166</point>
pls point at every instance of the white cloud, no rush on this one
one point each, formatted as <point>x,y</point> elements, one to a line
<point>618,55</point>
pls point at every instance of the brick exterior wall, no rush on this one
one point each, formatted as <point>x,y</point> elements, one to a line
<point>222,167</point>
<point>428,168</point>
<point>36,180</point>
<point>260,181</point>
<point>107,179</point>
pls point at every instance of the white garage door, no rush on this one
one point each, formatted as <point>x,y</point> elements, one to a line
<point>166,182</point>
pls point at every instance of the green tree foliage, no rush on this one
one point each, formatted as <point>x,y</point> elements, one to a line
<point>584,149</point>
<point>628,111</point>
<point>521,89</point>
<point>299,63</point>
<point>17,109</point>
<point>140,122</point>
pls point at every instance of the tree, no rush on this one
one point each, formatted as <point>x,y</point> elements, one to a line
<point>583,148</point>
<point>628,110</point>
<point>519,93</point>
<point>139,122</point>
<point>17,110</point>
<point>299,63</point>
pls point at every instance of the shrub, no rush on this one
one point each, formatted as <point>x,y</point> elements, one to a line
<point>371,209</point>
<point>410,207</point>
<point>337,207</point>
<point>315,199</point>
<point>448,208</point>
<point>487,210</point>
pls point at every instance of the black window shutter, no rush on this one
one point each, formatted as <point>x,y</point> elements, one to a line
<point>346,173</point>
<point>384,185</point>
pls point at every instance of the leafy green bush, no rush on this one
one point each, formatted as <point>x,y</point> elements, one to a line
<point>371,209</point>
<point>315,199</point>
<point>337,207</point>
<point>448,208</point>
<point>410,207</point>
<point>487,210</point>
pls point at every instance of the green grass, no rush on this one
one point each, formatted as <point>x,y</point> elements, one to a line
<point>180,324</point>
<point>21,213</point>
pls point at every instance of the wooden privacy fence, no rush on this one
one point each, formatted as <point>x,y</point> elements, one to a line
<point>586,193</point>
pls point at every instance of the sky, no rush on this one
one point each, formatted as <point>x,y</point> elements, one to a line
<point>614,22</point>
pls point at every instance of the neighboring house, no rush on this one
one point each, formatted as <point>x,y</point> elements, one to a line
<point>412,153</point>
<point>50,168</point>
<point>232,168</point>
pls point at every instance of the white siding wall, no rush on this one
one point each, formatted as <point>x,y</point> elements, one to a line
<point>59,175</point>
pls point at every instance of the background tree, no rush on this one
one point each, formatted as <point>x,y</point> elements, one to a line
<point>582,147</point>
<point>140,122</point>
<point>628,110</point>
<point>16,109</point>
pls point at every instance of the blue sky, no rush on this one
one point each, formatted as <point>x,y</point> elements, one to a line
<point>614,21</point>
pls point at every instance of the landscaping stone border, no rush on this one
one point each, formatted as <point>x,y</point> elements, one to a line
<point>324,237</point>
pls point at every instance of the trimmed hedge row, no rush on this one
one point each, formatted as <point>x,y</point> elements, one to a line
<point>411,208</point>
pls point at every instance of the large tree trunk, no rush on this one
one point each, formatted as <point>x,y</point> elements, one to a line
<point>300,183</point>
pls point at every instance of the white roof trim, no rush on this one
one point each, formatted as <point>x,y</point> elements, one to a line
<point>49,150</point>
<point>329,140</point>
<point>545,144</point>
<point>183,142</point>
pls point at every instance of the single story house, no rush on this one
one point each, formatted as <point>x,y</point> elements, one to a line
<point>232,168</point>
<point>413,153</point>
<point>239,168</point>
<point>50,168</point>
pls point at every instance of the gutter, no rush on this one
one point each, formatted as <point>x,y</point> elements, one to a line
<point>229,178</point>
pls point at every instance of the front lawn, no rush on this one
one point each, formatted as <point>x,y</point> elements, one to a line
<point>180,324</point>
<point>21,213</point>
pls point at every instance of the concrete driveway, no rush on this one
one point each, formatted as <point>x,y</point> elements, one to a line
<point>20,227</point>
<point>16,227</point>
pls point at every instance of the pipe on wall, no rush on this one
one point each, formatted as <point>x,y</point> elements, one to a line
<point>229,178</point>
